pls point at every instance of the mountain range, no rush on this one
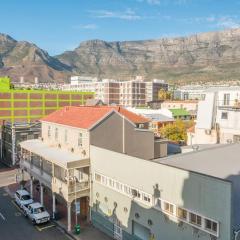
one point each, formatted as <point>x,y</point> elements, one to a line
<point>212,56</point>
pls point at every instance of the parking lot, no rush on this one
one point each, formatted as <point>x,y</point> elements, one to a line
<point>14,225</point>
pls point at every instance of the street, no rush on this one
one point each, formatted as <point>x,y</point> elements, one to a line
<point>13,225</point>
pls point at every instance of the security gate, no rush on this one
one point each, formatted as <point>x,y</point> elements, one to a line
<point>117,230</point>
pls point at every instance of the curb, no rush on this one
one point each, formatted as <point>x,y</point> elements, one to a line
<point>65,230</point>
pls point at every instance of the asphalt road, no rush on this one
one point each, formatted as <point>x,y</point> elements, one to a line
<point>14,226</point>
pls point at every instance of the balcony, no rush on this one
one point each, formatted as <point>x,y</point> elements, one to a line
<point>229,105</point>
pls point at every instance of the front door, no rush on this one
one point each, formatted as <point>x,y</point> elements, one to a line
<point>117,230</point>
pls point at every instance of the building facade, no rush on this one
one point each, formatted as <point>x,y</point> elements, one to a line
<point>218,117</point>
<point>31,105</point>
<point>12,135</point>
<point>60,160</point>
<point>125,93</point>
<point>162,199</point>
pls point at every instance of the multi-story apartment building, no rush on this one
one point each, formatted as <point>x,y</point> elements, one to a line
<point>218,117</point>
<point>60,159</point>
<point>153,88</point>
<point>125,93</point>
<point>18,105</point>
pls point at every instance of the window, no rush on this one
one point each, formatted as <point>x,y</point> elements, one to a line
<point>211,225</point>
<point>146,198</point>
<point>49,131</point>
<point>168,207</point>
<point>56,133</point>
<point>226,99</point>
<point>97,177</point>
<point>224,115</point>
<point>182,213</point>
<point>195,219</point>
<point>65,136</point>
<point>80,139</point>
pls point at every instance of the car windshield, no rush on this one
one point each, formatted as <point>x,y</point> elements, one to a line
<point>26,197</point>
<point>39,210</point>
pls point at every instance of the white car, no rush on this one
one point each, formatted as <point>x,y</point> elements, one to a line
<point>36,213</point>
<point>22,198</point>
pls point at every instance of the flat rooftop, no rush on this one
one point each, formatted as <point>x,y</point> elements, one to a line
<point>221,161</point>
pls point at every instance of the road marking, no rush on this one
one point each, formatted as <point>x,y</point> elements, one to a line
<point>14,203</point>
<point>18,214</point>
<point>4,219</point>
<point>43,228</point>
<point>5,194</point>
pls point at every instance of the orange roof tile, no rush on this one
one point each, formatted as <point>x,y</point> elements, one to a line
<point>86,116</point>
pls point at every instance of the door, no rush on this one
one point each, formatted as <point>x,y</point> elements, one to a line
<point>117,230</point>
<point>140,231</point>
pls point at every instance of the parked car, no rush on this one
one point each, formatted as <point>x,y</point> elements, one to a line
<point>22,198</point>
<point>36,213</point>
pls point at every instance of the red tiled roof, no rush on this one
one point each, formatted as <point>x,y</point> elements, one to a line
<point>86,116</point>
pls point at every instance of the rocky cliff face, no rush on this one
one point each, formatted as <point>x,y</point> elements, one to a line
<point>203,57</point>
<point>25,59</point>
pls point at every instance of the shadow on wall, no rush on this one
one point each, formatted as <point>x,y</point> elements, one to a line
<point>201,195</point>
<point>143,222</point>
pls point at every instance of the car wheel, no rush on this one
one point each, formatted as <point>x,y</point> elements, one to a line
<point>25,213</point>
<point>33,222</point>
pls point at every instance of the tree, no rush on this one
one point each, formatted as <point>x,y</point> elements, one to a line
<point>175,132</point>
<point>164,95</point>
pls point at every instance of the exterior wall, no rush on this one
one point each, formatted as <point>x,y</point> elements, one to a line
<point>31,105</point>
<point>132,141</point>
<point>187,105</point>
<point>72,138</point>
<point>198,193</point>
<point>12,135</point>
<point>201,136</point>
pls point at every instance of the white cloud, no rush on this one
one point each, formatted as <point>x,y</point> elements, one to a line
<point>128,14</point>
<point>153,2</point>
<point>86,26</point>
<point>228,22</point>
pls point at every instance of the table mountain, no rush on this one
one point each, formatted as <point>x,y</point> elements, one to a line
<point>209,56</point>
<point>212,56</point>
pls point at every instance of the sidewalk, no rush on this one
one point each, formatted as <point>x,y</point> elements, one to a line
<point>88,232</point>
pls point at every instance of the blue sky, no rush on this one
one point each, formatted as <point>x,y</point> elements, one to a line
<point>60,25</point>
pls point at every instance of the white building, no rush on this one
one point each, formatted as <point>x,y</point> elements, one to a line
<point>131,93</point>
<point>218,117</point>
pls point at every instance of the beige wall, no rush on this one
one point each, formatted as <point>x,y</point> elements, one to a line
<point>72,138</point>
<point>189,106</point>
<point>201,194</point>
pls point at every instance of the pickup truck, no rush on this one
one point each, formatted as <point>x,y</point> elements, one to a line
<point>22,198</point>
<point>36,213</point>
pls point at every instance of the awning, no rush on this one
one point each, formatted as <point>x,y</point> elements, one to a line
<point>53,154</point>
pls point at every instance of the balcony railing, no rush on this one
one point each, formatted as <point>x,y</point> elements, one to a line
<point>77,187</point>
<point>229,105</point>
